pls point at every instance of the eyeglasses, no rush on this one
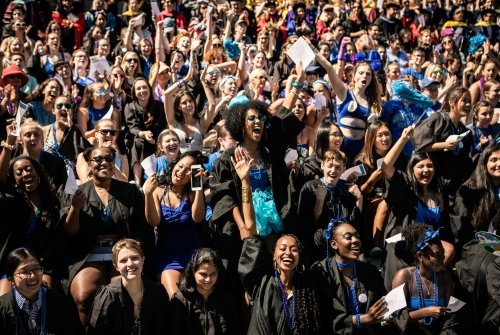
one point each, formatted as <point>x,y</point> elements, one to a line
<point>100,159</point>
<point>441,72</point>
<point>215,72</point>
<point>107,132</point>
<point>253,118</point>
<point>26,274</point>
<point>130,60</point>
<point>118,75</point>
<point>62,106</point>
<point>102,91</point>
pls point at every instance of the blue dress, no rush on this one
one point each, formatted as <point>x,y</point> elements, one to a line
<point>177,236</point>
<point>352,146</point>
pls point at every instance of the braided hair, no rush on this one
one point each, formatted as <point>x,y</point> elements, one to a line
<point>307,317</point>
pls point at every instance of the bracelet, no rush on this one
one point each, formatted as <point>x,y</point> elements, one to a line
<point>358,321</point>
<point>245,198</point>
<point>7,146</point>
<point>298,85</point>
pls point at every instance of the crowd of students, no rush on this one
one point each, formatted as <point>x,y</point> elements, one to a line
<point>97,239</point>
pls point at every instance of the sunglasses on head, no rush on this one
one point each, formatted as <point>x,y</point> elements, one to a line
<point>100,159</point>
<point>107,132</point>
<point>102,91</point>
<point>63,106</point>
<point>253,118</point>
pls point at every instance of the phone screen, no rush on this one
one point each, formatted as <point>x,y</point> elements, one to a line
<point>195,180</point>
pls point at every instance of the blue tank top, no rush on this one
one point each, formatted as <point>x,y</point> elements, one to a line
<point>359,112</point>
<point>414,304</point>
<point>95,115</point>
<point>259,179</point>
<point>48,67</point>
<point>428,215</point>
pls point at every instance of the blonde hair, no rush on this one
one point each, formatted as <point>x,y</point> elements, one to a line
<point>30,123</point>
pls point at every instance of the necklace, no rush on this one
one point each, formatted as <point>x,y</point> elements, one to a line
<point>421,304</point>
<point>290,319</point>
<point>136,327</point>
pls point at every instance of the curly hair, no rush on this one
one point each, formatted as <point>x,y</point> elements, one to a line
<point>46,189</point>
<point>195,154</point>
<point>414,233</point>
<point>37,94</point>
<point>200,257</point>
<point>307,314</point>
<point>236,117</point>
<point>215,53</point>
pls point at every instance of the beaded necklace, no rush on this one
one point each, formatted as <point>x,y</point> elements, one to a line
<point>290,319</point>
<point>353,299</point>
<point>428,319</point>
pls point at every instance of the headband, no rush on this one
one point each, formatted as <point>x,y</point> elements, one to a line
<point>322,82</point>
<point>430,235</point>
<point>225,79</point>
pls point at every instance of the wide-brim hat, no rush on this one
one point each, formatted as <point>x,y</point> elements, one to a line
<point>13,70</point>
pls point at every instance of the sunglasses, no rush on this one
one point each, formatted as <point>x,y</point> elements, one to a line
<point>261,77</point>
<point>438,72</point>
<point>217,45</point>
<point>20,25</point>
<point>107,132</point>
<point>447,42</point>
<point>100,159</point>
<point>118,75</point>
<point>253,118</point>
<point>63,106</point>
<point>130,60</point>
<point>212,73</point>
<point>102,91</point>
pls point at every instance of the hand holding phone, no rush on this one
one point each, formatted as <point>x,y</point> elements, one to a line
<point>196,178</point>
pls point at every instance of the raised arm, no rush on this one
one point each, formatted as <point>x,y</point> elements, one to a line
<point>152,203</point>
<point>290,98</point>
<point>393,154</point>
<point>159,51</point>
<point>337,84</point>
<point>242,72</point>
<point>8,146</point>
<point>242,167</point>
<point>209,33</point>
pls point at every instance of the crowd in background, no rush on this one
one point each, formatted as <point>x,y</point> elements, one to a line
<point>166,167</point>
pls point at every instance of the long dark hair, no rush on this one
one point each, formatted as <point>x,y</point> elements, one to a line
<point>200,257</point>
<point>434,185</point>
<point>368,154</point>
<point>149,111</point>
<point>453,96</point>
<point>307,315</point>
<point>177,106</point>
<point>323,138</point>
<point>46,189</point>
<point>195,154</point>
<point>481,182</point>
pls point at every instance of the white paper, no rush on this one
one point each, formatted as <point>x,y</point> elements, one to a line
<point>395,300</point>
<point>109,114</point>
<point>421,20</point>
<point>379,162</point>
<point>454,304</point>
<point>359,170</point>
<point>291,155</point>
<point>497,111</point>
<point>380,4</point>
<point>319,101</point>
<point>395,238</point>
<point>71,187</point>
<point>149,164</point>
<point>454,137</point>
<point>99,64</point>
<point>155,9</point>
<point>301,52</point>
<point>21,110</point>
<point>139,20</point>
<point>210,7</point>
<point>72,17</point>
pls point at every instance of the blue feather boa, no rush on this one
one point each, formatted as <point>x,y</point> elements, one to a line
<point>404,91</point>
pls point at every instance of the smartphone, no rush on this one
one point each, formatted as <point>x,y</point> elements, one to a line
<point>196,182</point>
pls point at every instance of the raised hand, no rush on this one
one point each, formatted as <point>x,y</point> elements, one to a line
<point>240,164</point>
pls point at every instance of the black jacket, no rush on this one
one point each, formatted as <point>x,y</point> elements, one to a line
<point>191,315</point>
<point>113,310</point>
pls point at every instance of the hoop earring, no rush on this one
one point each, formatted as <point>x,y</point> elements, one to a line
<point>302,268</point>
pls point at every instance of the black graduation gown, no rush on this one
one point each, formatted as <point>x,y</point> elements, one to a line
<point>315,211</point>
<point>334,296</point>
<point>112,312</point>
<point>454,169</point>
<point>61,317</point>
<point>257,275</point>
<point>127,220</point>
<point>73,143</point>
<point>191,315</point>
